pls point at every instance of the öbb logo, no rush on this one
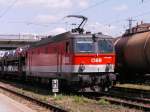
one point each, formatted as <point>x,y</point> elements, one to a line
<point>96,60</point>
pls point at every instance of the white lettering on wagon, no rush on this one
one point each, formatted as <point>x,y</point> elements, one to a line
<point>96,60</point>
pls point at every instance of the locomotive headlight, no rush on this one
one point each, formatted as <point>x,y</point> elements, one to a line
<point>81,67</point>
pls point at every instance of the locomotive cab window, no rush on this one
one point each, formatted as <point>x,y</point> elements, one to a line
<point>105,46</point>
<point>84,46</point>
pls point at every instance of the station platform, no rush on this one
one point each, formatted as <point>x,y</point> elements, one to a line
<point>9,105</point>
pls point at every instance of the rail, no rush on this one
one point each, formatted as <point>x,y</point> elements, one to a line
<point>41,103</point>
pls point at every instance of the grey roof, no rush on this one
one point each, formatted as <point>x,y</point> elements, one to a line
<point>65,36</point>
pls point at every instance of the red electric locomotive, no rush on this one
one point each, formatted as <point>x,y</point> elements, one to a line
<point>77,59</point>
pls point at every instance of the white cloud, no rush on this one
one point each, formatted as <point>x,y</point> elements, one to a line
<point>45,18</point>
<point>46,3</point>
<point>53,4</point>
<point>3,2</point>
<point>122,7</point>
<point>39,3</point>
<point>83,3</point>
<point>105,29</point>
<point>57,31</point>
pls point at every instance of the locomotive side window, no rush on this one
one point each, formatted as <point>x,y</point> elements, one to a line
<point>67,47</point>
<point>84,46</point>
<point>105,46</point>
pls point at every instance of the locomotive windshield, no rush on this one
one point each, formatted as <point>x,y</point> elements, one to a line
<point>87,46</point>
<point>84,46</point>
<point>105,46</point>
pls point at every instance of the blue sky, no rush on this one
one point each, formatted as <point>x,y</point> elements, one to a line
<point>46,17</point>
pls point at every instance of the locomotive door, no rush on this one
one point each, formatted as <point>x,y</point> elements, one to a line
<point>59,60</point>
<point>29,63</point>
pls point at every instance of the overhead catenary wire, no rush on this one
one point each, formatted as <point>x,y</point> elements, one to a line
<point>47,24</point>
<point>36,23</point>
<point>8,8</point>
<point>115,21</point>
<point>125,19</point>
<point>92,6</point>
<point>144,1</point>
<point>88,8</point>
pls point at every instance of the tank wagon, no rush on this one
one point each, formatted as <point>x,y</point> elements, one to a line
<point>77,59</point>
<point>133,52</point>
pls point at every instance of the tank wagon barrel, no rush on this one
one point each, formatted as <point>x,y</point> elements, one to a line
<point>133,50</point>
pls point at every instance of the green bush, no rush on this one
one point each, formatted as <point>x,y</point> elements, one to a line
<point>80,99</point>
<point>58,97</point>
<point>102,101</point>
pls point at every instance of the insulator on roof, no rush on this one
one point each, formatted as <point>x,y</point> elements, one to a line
<point>88,32</point>
<point>100,33</point>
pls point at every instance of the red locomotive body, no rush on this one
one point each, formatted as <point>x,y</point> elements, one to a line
<point>72,57</point>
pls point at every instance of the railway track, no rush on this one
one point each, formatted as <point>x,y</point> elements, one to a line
<point>136,98</point>
<point>116,96</point>
<point>138,103</point>
<point>53,108</point>
<point>129,102</point>
<point>142,93</point>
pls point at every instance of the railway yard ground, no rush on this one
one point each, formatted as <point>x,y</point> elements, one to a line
<point>9,105</point>
<point>66,102</point>
<point>135,86</point>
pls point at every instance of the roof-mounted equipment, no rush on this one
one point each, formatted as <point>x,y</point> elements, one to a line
<point>79,29</point>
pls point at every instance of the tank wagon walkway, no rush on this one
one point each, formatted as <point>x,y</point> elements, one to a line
<point>9,105</point>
